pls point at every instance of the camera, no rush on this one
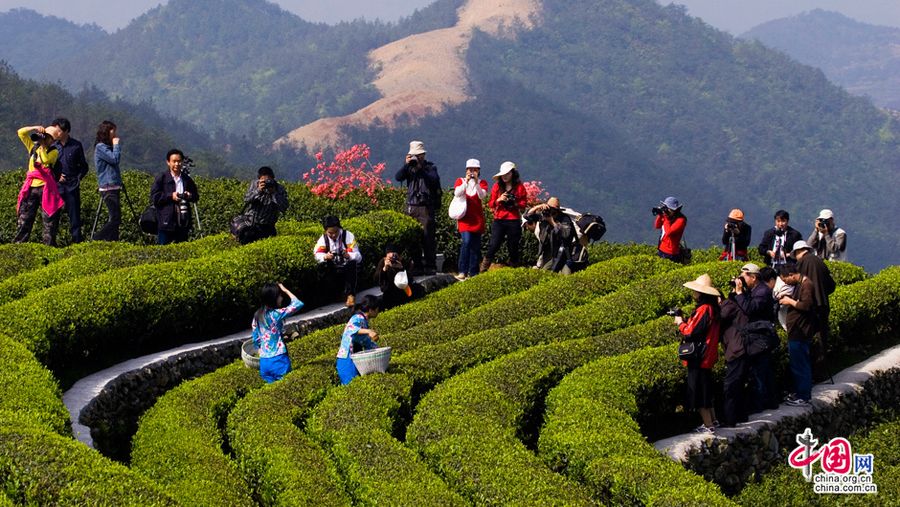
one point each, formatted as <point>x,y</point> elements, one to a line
<point>732,228</point>
<point>674,312</point>
<point>658,210</point>
<point>268,184</point>
<point>822,223</point>
<point>779,232</point>
<point>509,199</point>
<point>37,137</point>
<point>733,282</point>
<point>187,163</point>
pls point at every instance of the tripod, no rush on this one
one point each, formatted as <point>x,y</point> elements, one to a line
<point>134,215</point>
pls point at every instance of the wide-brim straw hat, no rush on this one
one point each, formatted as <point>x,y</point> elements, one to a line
<point>703,284</point>
<point>505,168</point>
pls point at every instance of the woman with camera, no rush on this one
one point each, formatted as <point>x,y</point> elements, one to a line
<point>107,154</point>
<point>39,191</point>
<point>508,199</point>
<point>172,194</point>
<point>386,273</point>
<point>471,225</point>
<point>702,329</point>
<point>672,223</point>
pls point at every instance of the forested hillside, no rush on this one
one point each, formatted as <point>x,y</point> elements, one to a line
<point>615,104</point>
<point>146,134</point>
<point>862,58</point>
<point>33,44</point>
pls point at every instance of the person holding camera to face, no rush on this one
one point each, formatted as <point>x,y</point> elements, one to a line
<point>107,155</point>
<point>471,224</point>
<point>555,233</point>
<point>736,237</point>
<point>778,242</point>
<point>386,273</point>
<point>338,258</point>
<point>423,198</point>
<point>172,194</point>
<point>671,222</point>
<point>508,198</point>
<point>39,191</point>
<point>264,201</point>
<point>828,241</point>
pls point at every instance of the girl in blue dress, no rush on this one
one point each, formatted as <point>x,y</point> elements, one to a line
<point>268,326</point>
<point>357,333</point>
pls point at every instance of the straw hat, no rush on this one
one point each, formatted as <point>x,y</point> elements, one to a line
<point>553,202</point>
<point>505,168</point>
<point>416,148</point>
<point>703,284</point>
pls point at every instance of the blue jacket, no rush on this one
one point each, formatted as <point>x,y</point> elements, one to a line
<point>106,160</point>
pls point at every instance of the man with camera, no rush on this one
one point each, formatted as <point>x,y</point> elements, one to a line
<point>264,201</point>
<point>71,167</point>
<point>828,241</point>
<point>338,258</point>
<point>736,237</point>
<point>778,242</point>
<point>172,194</point>
<point>423,198</point>
<point>555,233</point>
<point>672,223</point>
<point>802,325</point>
<point>39,192</point>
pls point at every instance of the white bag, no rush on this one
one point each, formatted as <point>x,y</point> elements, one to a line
<point>401,280</point>
<point>457,207</point>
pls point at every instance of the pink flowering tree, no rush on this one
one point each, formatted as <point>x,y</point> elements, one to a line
<point>350,170</point>
<point>535,192</point>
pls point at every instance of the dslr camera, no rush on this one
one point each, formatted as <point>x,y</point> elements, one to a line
<point>732,228</point>
<point>37,137</point>
<point>659,210</point>
<point>822,223</point>
<point>509,199</point>
<point>674,312</point>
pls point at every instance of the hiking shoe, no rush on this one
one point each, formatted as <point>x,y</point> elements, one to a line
<point>484,266</point>
<point>351,301</point>
<point>705,430</point>
<point>797,402</point>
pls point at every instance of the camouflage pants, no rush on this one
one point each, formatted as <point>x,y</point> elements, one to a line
<point>28,210</point>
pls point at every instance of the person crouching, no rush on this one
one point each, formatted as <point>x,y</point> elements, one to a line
<point>338,258</point>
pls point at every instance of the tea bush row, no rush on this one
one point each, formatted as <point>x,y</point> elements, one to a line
<point>149,307</point>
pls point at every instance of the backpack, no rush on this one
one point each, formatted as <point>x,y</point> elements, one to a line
<point>759,337</point>
<point>591,226</point>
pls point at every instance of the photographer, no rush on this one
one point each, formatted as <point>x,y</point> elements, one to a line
<point>39,191</point>
<point>338,258</point>
<point>736,237</point>
<point>423,198</point>
<point>777,242</point>
<point>385,276</point>
<point>829,242</point>
<point>72,168</point>
<point>507,201</point>
<point>471,224</point>
<point>555,233</point>
<point>802,326</point>
<point>107,155</point>
<point>672,224</point>
<point>172,193</point>
<point>264,200</point>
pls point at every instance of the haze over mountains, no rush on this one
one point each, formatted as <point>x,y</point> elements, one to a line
<point>613,104</point>
<point>863,58</point>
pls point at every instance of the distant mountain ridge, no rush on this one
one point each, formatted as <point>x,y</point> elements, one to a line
<point>863,58</point>
<point>26,47</point>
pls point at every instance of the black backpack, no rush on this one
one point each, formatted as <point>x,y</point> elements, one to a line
<point>591,226</point>
<point>759,337</point>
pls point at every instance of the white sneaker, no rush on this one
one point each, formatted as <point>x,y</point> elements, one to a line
<point>460,276</point>
<point>797,402</point>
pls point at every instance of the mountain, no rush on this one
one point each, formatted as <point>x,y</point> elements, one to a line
<point>146,135</point>
<point>863,58</point>
<point>28,49</point>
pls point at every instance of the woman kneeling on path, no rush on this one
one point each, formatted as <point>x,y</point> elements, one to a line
<point>357,334</point>
<point>268,326</point>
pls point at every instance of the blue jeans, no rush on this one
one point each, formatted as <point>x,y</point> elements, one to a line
<point>470,253</point>
<point>176,236</point>
<point>71,195</point>
<point>273,368</point>
<point>346,370</point>
<point>801,368</point>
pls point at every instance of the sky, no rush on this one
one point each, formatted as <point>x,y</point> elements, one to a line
<point>734,16</point>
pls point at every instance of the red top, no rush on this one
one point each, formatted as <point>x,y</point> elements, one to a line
<point>502,212</point>
<point>672,230</point>
<point>703,326</point>
<point>473,220</point>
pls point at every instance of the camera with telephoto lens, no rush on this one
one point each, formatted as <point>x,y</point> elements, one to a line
<point>659,210</point>
<point>674,312</point>
<point>733,282</point>
<point>183,205</point>
<point>187,163</point>
<point>37,137</point>
<point>732,228</point>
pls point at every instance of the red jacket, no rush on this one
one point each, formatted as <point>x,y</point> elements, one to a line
<point>473,220</point>
<point>703,326</point>
<point>502,212</point>
<point>672,231</point>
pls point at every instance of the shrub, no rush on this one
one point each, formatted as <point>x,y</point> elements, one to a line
<point>284,464</point>
<point>178,443</point>
<point>550,296</point>
<point>21,258</point>
<point>151,307</point>
<point>28,392</point>
<point>356,423</point>
<point>38,467</point>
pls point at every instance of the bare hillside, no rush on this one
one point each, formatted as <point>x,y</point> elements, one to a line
<point>423,73</point>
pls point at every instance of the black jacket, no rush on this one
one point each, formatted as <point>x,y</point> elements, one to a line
<point>168,217</point>
<point>741,239</point>
<point>791,236</point>
<point>423,185</point>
